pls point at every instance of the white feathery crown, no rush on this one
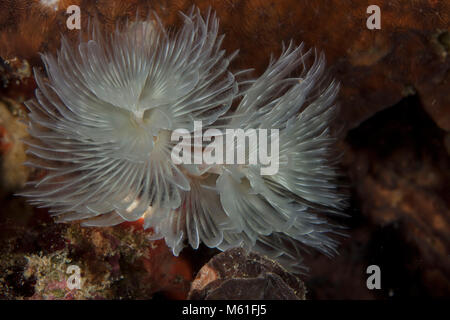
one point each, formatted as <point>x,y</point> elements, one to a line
<point>101,123</point>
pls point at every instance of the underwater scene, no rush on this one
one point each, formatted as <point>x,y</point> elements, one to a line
<point>224,150</point>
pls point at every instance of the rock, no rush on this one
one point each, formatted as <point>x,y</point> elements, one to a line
<point>376,68</point>
<point>238,274</point>
<point>13,174</point>
<point>114,263</point>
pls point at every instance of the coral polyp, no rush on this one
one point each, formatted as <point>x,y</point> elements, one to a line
<point>101,127</point>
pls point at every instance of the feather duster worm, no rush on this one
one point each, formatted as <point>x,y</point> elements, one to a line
<point>101,125</point>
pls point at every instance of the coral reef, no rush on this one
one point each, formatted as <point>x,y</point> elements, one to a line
<point>114,263</point>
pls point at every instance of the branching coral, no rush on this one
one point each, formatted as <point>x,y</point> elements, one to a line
<point>102,122</point>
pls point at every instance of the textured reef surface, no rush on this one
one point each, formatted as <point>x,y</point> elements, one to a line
<point>394,134</point>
